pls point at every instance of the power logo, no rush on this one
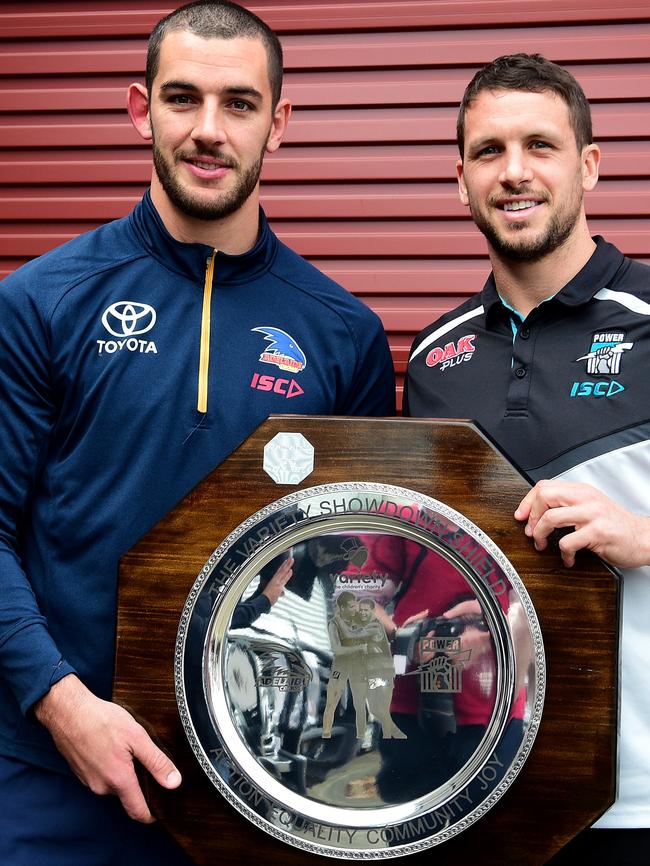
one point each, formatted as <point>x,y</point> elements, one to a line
<point>285,387</point>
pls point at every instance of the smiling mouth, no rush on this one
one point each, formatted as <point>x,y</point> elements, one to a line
<point>205,161</point>
<point>206,166</point>
<point>519,205</point>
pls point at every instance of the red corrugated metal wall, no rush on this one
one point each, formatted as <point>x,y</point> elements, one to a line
<point>364,185</point>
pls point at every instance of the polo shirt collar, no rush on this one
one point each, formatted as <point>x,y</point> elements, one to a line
<point>594,276</point>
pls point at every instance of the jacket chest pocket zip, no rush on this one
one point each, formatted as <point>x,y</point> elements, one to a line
<point>204,354</point>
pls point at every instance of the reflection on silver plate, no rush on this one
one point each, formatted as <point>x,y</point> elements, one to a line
<point>387,697</point>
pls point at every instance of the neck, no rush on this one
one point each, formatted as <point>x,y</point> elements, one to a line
<point>524,285</point>
<point>234,234</point>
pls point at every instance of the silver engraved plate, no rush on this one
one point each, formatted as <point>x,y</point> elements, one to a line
<point>383,700</point>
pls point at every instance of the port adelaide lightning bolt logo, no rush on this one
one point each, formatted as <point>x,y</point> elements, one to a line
<point>605,354</point>
<point>283,351</point>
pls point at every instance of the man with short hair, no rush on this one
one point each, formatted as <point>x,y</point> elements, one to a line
<point>380,669</point>
<point>133,360</point>
<point>349,649</point>
<point>550,360</point>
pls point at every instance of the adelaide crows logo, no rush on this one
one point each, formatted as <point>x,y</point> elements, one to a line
<point>283,350</point>
<point>282,668</point>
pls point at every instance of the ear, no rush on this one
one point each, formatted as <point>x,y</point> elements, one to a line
<point>137,103</point>
<point>278,125</point>
<point>462,189</point>
<point>590,164</point>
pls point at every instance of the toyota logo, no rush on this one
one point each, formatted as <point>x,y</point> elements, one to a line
<point>128,318</point>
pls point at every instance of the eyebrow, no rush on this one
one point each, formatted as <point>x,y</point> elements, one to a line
<point>176,84</point>
<point>235,90</point>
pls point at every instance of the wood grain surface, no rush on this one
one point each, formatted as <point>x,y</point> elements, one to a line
<point>567,781</point>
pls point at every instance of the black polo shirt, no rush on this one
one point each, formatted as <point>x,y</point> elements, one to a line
<point>570,382</point>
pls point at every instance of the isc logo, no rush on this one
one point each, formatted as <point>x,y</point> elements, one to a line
<point>596,389</point>
<point>284,387</point>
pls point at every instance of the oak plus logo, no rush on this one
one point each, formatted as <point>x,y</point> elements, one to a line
<point>127,321</point>
<point>452,353</point>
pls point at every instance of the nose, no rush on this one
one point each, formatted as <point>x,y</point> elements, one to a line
<point>516,168</point>
<point>209,126</point>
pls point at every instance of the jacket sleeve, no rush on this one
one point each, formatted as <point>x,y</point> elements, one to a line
<point>372,390</point>
<point>247,612</point>
<point>29,660</point>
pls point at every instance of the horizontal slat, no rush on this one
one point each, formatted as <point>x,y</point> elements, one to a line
<point>84,131</point>
<point>313,201</point>
<point>372,278</point>
<point>401,348</point>
<point>433,48</point>
<point>310,127</point>
<point>404,317</point>
<point>321,239</point>
<point>52,59</point>
<point>74,167</point>
<point>309,90</point>
<point>291,163</point>
<point>69,17</point>
<point>426,48</point>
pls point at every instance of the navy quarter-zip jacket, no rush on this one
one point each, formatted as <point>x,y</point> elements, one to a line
<point>131,365</point>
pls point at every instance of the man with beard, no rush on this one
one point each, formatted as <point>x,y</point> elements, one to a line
<point>550,360</point>
<point>133,360</point>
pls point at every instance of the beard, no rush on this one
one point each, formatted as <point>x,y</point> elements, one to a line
<point>224,203</point>
<point>558,230</point>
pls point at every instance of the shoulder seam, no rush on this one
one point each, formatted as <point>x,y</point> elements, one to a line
<point>330,306</point>
<point>91,272</point>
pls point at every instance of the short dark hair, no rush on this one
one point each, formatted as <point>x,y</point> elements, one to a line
<point>217,20</point>
<point>345,598</point>
<point>369,602</point>
<point>534,73</point>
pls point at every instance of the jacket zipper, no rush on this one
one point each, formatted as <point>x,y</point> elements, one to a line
<point>204,356</point>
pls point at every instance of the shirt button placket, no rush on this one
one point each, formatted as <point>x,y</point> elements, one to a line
<point>522,357</point>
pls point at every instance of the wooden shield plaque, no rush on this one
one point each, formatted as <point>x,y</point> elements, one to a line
<point>298,733</point>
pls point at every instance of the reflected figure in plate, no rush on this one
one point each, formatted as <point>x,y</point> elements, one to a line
<point>349,648</point>
<point>380,670</point>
